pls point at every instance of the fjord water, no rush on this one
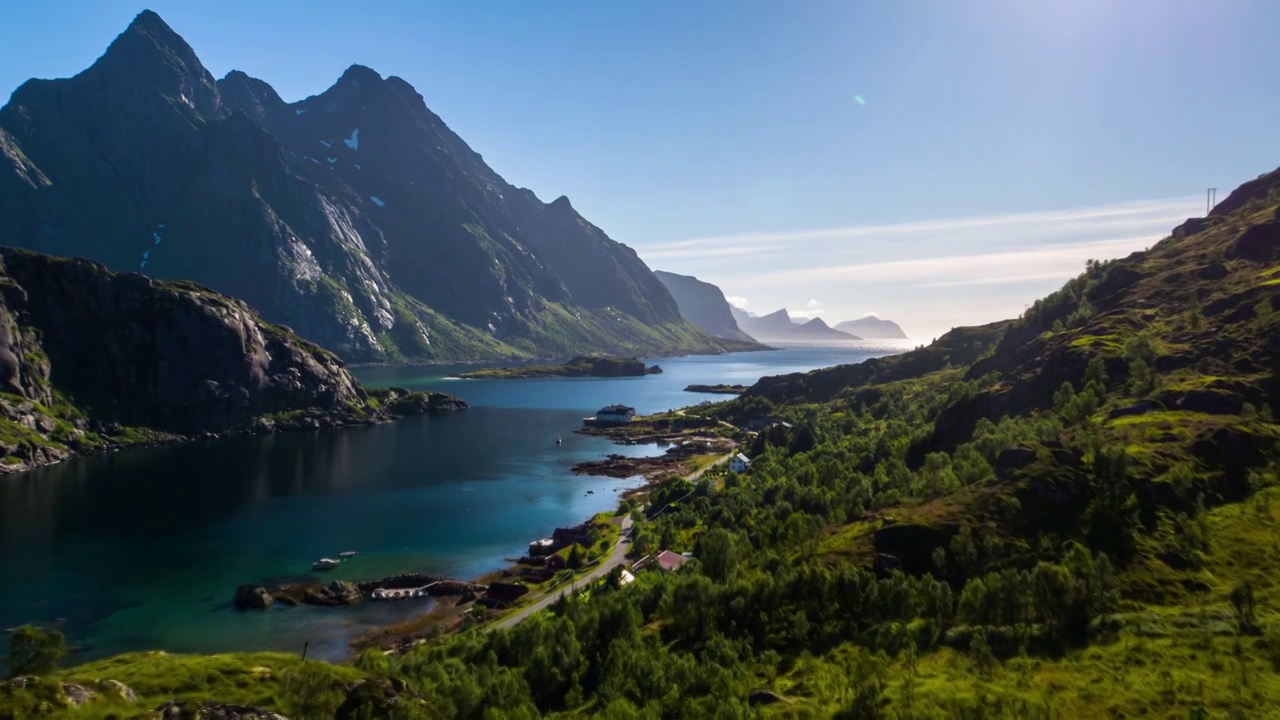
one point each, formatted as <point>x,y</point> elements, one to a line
<point>143,549</point>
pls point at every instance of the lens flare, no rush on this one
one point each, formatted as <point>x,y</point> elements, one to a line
<point>859,99</point>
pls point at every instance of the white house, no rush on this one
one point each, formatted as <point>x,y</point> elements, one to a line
<point>739,463</point>
<point>615,415</point>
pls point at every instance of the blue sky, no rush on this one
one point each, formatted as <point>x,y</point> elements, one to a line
<point>1000,144</point>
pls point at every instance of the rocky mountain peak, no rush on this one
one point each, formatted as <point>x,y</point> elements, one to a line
<point>149,55</point>
<point>254,97</point>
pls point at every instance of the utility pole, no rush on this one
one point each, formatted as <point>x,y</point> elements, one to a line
<point>1210,199</point>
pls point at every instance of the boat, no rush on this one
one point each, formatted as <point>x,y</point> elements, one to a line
<point>325,564</point>
<point>559,441</point>
<point>348,553</point>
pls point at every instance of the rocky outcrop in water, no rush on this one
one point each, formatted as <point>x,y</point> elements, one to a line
<point>91,359</point>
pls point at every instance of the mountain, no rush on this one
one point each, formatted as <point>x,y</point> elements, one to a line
<point>704,305</point>
<point>355,216</point>
<point>872,328</point>
<point>778,327</point>
<point>91,359</point>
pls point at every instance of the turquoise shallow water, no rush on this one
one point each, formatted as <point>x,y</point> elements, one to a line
<point>143,549</point>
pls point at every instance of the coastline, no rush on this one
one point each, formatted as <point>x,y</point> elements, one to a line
<point>762,347</point>
<point>447,613</point>
<point>308,419</point>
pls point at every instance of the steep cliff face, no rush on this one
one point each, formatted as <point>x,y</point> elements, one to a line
<point>704,305</point>
<point>355,216</point>
<point>91,358</point>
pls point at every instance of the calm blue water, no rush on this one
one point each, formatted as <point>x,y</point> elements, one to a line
<point>143,549</point>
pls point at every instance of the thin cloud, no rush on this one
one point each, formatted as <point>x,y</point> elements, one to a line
<point>710,252</point>
<point>1089,219</point>
<point>812,309</point>
<point>738,301</point>
<point>1046,263</point>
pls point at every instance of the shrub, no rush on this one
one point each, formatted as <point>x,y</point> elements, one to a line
<point>33,651</point>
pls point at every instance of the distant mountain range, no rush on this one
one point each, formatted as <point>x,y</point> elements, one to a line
<point>780,327</point>
<point>704,305</point>
<point>356,216</point>
<point>873,328</point>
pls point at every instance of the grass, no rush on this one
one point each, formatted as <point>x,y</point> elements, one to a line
<point>156,677</point>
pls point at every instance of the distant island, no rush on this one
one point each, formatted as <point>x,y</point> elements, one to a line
<point>581,366</point>
<point>721,389</point>
<point>873,328</point>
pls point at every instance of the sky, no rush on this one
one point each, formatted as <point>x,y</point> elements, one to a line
<point>935,162</point>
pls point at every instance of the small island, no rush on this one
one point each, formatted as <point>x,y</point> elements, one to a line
<point>718,389</point>
<point>581,366</point>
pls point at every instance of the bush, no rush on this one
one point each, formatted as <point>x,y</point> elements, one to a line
<point>310,691</point>
<point>34,652</point>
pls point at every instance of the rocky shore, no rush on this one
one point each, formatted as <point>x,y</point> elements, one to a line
<point>343,593</point>
<point>96,438</point>
<point>721,389</point>
<point>92,361</point>
<point>674,461</point>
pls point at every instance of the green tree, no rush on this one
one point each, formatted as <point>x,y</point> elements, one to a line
<point>718,554</point>
<point>575,559</point>
<point>33,651</point>
<point>1141,381</point>
<point>1195,314</point>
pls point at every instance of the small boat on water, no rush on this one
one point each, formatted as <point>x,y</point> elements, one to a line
<point>348,553</point>
<point>559,441</point>
<point>325,564</point>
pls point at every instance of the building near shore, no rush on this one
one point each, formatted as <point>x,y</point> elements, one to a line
<point>615,415</point>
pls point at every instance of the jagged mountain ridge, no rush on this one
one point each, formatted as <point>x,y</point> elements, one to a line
<point>779,327</point>
<point>355,216</point>
<point>704,305</point>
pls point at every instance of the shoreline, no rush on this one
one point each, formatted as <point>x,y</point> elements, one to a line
<point>550,359</point>
<point>311,419</point>
<point>446,614</point>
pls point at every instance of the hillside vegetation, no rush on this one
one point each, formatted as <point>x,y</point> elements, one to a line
<point>1067,515</point>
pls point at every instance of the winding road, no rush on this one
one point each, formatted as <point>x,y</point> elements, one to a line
<point>616,556</point>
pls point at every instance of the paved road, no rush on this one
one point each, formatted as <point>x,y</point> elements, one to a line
<point>616,556</point>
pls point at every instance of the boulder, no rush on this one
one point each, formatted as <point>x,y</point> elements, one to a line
<point>252,597</point>
<point>1211,402</point>
<point>117,689</point>
<point>76,695</point>
<point>1258,243</point>
<point>345,592</point>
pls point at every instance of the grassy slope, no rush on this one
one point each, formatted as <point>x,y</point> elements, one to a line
<point>1175,649</point>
